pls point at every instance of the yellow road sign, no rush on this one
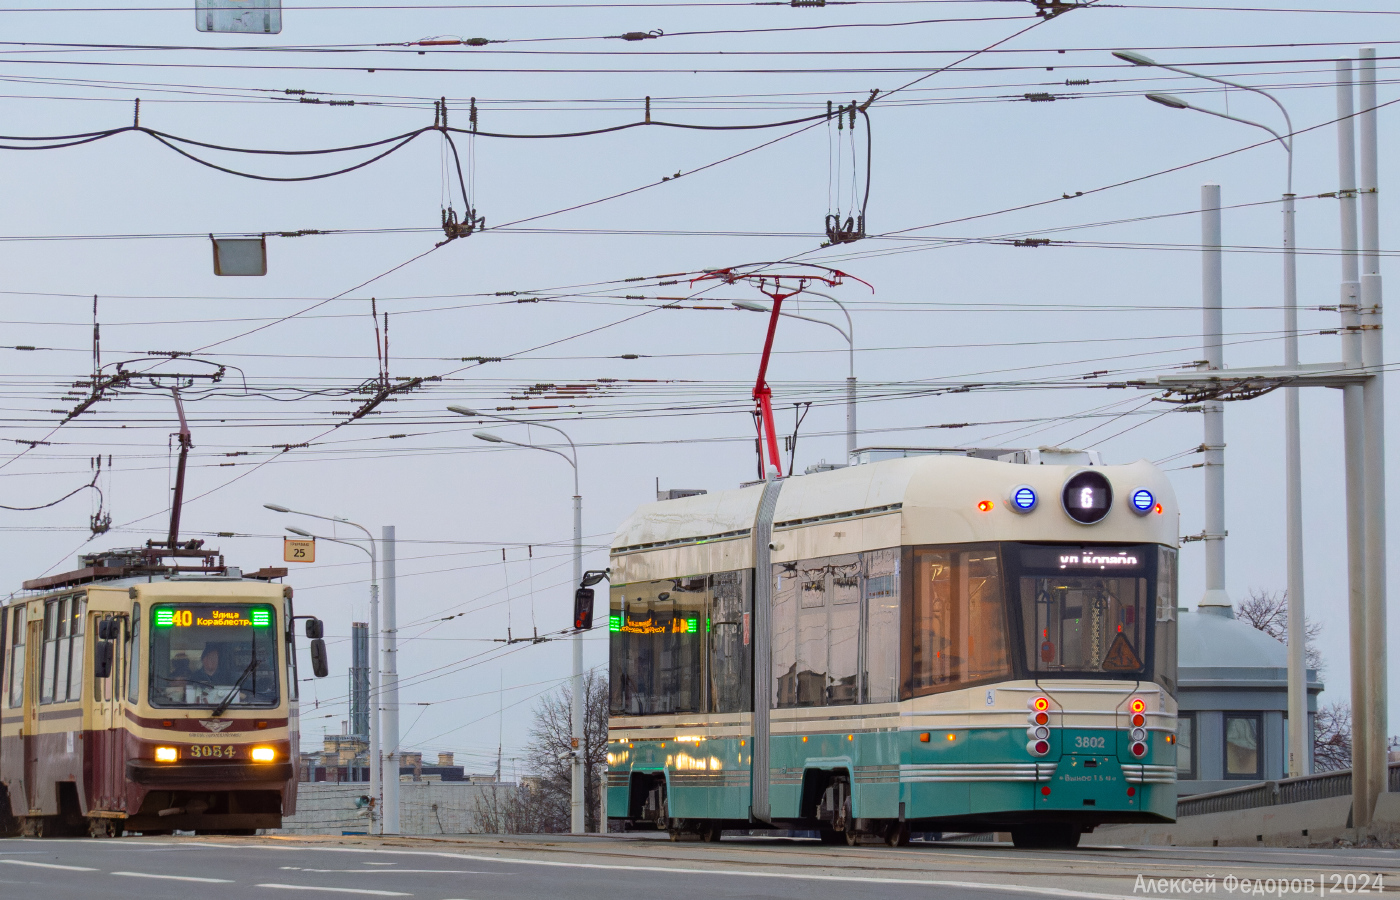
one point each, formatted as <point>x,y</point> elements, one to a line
<point>298,551</point>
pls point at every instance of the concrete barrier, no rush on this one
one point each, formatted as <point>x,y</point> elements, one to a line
<point>425,807</point>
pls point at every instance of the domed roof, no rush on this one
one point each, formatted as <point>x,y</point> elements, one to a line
<point>1212,640</point>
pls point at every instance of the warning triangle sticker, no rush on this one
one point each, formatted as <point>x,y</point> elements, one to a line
<point>1121,656</point>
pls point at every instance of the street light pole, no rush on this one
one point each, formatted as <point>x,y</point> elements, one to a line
<point>576,779</point>
<point>849,335</point>
<point>375,784</point>
<point>1299,732</point>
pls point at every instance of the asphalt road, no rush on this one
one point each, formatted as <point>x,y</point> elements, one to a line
<point>620,868</point>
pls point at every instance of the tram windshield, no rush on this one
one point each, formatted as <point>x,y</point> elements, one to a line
<point>1090,610</point>
<point>204,653</point>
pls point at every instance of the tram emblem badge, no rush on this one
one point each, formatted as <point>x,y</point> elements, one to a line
<point>216,725</point>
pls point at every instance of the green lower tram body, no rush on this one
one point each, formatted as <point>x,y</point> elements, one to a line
<point>956,779</point>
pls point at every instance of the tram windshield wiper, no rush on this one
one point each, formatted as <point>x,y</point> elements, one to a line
<point>224,704</point>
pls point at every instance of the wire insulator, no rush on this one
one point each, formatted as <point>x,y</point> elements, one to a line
<point>648,119</point>
<point>136,122</point>
<point>476,42</point>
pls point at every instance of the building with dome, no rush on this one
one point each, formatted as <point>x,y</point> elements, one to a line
<point>1233,701</point>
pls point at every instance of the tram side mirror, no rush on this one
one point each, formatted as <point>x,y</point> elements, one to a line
<point>107,629</point>
<point>318,658</point>
<point>583,609</point>
<point>314,629</point>
<point>102,659</point>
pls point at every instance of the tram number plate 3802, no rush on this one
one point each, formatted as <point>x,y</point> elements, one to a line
<point>1089,743</point>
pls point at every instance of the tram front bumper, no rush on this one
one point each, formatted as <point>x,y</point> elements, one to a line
<point>187,773</point>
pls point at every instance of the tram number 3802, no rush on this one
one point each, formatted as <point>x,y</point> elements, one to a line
<point>1089,743</point>
<point>212,751</point>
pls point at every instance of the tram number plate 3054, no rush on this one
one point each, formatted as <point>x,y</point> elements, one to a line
<point>212,751</point>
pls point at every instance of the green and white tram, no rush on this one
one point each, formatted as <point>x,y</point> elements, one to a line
<point>931,643</point>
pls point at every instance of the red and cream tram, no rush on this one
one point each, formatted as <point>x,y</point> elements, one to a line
<point>148,691</point>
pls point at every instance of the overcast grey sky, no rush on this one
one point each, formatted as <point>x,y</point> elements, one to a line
<point>951,154</point>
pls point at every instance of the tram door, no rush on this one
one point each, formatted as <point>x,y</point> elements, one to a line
<point>34,648</point>
<point>107,761</point>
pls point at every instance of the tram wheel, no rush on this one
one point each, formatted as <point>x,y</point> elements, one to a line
<point>853,837</point>
<point>104,828</point>
<point>897,835</point>
<point>1045,837</point>
<point>709,831</point>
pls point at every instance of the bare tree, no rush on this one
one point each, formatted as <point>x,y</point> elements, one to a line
<point>1268,611</point>
<point>1332,738</point>
<point>541,803</point>
<point>551,740</point>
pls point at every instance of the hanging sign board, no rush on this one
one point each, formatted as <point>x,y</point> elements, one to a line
<point>239,256</point>
<point>298,551</point>
<point>239,16</point>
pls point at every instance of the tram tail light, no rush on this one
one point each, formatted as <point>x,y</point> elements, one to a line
<point>1038,732</point>
<point>1138,705</point>
<point>1138,735</point>
<point>1039,704</point>
<point>1139,720</point>
<point>985,505</point>
<point>263,754</point>
<point>167,754</point>
<point>1138,749</point>
<point>1038,748</point>
<point>1039,717</point>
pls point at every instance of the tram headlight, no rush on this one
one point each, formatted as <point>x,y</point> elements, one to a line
<point>1138,749</point>
<point>167,754</point>
<point>1022,498</point>
<point>1038,732</point>
<point>263,754</point>
<point>1038,748</point>
<point>1141,501</point>
<point>1138,735</point>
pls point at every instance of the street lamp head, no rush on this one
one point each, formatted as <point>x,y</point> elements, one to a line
<point>276,508</point>
<point>750,306</point>
<point>1132,56</point>
<point>1169,100</point>
<point>300,531</point>
<point>486,436</point>
<point>463,411</point>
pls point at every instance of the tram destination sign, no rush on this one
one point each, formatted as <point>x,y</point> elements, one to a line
<point>202,616</point>
<point>1080,559</point>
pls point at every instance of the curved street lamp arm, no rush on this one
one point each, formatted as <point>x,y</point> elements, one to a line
<point>1235,84</point>
<point>572,448</point>
<point>558,453</point>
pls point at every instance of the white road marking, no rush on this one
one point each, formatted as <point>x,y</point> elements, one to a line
<point>397,871</point>
<point>25,862</point>
<point>175,877</point>
<point>798,876</point>
<point>334,890</point>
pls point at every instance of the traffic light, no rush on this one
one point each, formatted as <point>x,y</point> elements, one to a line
<point>583,609</point>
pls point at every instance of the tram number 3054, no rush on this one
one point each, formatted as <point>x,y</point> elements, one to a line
<point>214,751</point>
<point>1089,743</point>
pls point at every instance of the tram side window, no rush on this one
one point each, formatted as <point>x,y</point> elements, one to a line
<point>657,632</point>
<point>823,671</point>
<point>1164,642</point>
<point>133,668</point>
<point>730,643</point>
<point>77,646</point>
<point>18,627</point>
<point>881,647</point>
<point>957,632</point>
